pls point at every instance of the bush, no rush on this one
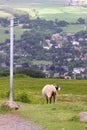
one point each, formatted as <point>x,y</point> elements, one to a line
<point>30,72</point>
<point>4,72</point>
<point>23,97</point>
<point>4,109</point>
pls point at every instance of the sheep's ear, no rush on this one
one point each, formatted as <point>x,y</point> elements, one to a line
<point>59,88</point>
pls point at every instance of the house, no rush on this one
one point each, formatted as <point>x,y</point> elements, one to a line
<point>56,37</point>
<point>78,70</point>
<point>75,43</point>
<point>18,66</point>
<point>47,45</point>
<point>56,75</point>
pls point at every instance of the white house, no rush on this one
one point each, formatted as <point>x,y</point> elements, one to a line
<point>78,70</point>
<point>75,43</point>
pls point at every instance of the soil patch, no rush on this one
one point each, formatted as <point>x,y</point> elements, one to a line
<point>14,122</point>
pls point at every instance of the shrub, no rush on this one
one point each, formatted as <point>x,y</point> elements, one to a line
<point>30,72</point>
<point>4,109</point>
<point>23,97</point>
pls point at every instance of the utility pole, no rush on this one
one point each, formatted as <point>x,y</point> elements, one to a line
<point>11,57</point>
<point>11,104</point>
<point>13,22</point>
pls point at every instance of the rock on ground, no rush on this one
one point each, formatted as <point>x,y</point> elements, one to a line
<point>83,116</point>
<point>11,105</point>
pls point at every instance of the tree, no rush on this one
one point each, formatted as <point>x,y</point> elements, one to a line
<point>62,23</point>
<point>81,21</point>
<point>30,72</point>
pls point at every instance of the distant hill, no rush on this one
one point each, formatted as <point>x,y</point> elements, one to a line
<point>33,1</point>
<point>60,2</point>
<point>29,2</point>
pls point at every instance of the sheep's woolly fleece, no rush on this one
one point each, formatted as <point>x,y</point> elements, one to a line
<point>47,90</point>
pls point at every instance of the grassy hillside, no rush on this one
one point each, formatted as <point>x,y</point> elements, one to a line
<point>60,2</point>
<point>49,9</point>
<point>32,87</point>
<point>70,14</point>
<point>4,14</point>
<point>25,2</point>
<point>71,100</point>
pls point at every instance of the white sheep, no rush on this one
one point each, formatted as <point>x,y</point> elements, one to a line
<point>49,91</point>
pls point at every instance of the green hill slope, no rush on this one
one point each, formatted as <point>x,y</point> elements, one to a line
<point>63,115</point>
<point>71,90</point>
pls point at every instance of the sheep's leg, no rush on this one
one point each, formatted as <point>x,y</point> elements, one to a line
<point>50,99</point>
<point>47,99</point>
<point>54,97</point>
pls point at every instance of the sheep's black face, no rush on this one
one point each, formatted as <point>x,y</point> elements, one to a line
<point>57,87</point>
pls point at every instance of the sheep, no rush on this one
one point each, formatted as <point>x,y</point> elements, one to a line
<point>49,91</point>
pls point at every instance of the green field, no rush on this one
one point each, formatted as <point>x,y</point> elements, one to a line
<point>17,31</point>
<point>46,9</point>
<point>4,14</point>
<point>74,28</point>
<point>36,62</point>
<point>71,100</point>
<point>70,14</point>
<point>33,2</point>
<point>3,36</point>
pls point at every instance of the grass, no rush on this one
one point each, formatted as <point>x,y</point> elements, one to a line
<point>56,116</point>
<point>33,86</point>
<point>17,31</point>
<point>4,14</point>
<point>28,10</point>
<point>71,100</point>
<point>70,14</point>
<point>34,2</point>
<point>3,36</point>
<point>74,28</point>
<point>36,62</point>
<point>48,9</point>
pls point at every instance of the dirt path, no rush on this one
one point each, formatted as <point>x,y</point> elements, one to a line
<point>14,122</point>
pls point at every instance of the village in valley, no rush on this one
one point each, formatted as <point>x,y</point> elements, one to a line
<point>46,45</point>
<point>67,55</point>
